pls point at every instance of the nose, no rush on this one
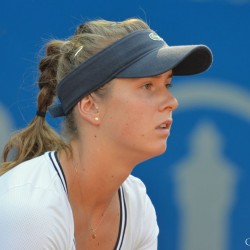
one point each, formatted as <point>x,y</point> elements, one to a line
<point>169,102</point>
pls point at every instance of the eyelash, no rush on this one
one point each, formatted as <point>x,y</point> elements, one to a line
<point>148,86</point>
<point>169,85</point>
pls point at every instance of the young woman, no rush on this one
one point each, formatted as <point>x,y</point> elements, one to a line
<point>112,81</point>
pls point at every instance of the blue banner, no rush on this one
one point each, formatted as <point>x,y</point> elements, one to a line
<point>200,186</point>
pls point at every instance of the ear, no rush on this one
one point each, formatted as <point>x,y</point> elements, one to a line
<point>88,109</point>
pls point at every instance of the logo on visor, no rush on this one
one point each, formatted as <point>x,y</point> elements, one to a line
<point>154,36</point>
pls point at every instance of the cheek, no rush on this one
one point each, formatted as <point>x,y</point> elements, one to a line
<point>133,121</point>
<point>129,117</point>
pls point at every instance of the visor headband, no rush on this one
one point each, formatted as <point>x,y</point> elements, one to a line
<point>103,67</point>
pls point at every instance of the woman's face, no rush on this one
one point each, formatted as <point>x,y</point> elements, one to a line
<point>137,115</point>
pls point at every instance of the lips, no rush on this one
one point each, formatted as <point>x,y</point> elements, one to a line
<point>166,125</point>
<point>163,129</point>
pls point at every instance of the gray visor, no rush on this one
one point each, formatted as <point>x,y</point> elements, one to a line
<point>139,54</point>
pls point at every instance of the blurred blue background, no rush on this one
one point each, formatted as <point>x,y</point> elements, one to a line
<point>200,186</point>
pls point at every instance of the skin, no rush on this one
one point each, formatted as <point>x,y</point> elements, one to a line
<point>106,150</point>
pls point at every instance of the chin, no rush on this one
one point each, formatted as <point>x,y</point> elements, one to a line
<point>157,151</point>
<point>162,150</point>
<point>150,152</point>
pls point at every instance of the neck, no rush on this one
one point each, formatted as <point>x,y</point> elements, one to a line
<point>96,171</point>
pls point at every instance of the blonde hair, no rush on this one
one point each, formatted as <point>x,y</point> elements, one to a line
<point>62,56</point>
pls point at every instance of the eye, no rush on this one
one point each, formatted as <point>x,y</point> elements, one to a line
<point>148,86</point>
<point>168,85</point>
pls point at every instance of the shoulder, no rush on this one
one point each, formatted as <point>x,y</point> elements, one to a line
<point>142,227</point>
<point>33,207</point>
<point>36,172</point>
<point>135,193</point>
<point>135,185</point>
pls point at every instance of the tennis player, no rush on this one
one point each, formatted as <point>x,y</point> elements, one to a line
<point>110,81</point>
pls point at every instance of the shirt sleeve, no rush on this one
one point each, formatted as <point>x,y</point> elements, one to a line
<point>30,221</point>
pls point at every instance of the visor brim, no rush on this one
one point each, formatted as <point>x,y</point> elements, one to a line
<point>183,60</point>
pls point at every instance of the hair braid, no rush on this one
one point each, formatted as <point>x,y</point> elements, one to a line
<point>38,137</point>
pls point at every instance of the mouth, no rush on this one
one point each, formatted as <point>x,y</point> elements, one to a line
<point>166,125</point>
<point>163,129</point>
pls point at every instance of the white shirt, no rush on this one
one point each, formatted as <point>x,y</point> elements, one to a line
<point>35,212</point>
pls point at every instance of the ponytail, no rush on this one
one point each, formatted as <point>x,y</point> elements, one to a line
<point>38,137</point>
